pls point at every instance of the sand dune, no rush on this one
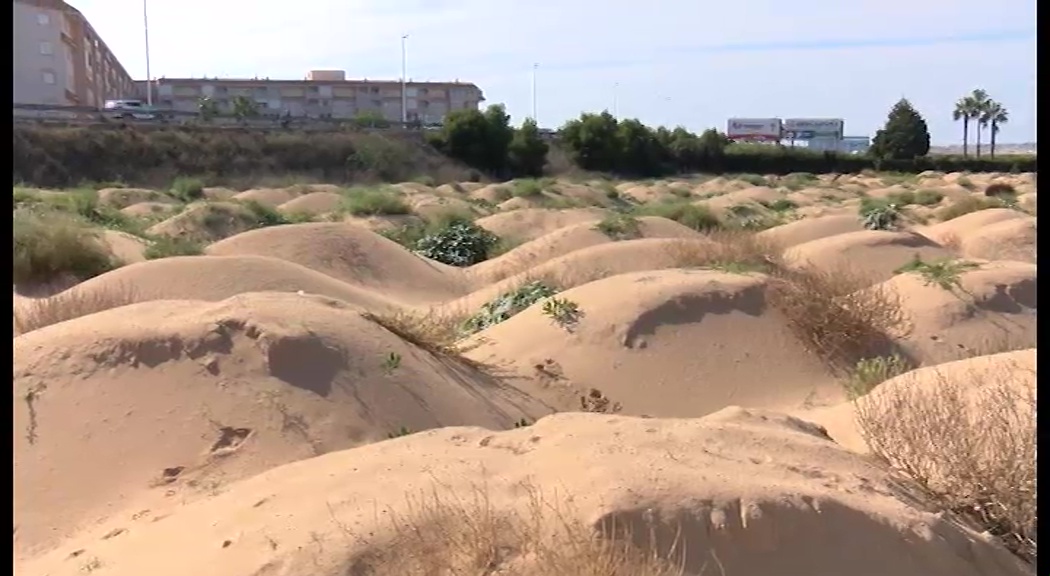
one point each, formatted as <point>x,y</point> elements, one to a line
<point>801,231</point>
<point>993,309</point>
<point>664,343</point>
<point>220,277</point>
<point>187,396</point>
<point>531,223</point>
<point>965,225</point>
<point>150,209</point>
<point>206,222</point>
<point>566,240</point>
<point>125,247</point>
<point>121,198</point>
<point>353,255</point>
<point>874,253</point>
<point>313,203</point>
<point>272,197</point>
<point>805,507</point>
<point>1012,239</point>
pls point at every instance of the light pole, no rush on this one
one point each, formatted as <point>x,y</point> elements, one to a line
<point>149,79</point>
<point>534,117</point>
<point>616,100</point>
<point>404,81</point>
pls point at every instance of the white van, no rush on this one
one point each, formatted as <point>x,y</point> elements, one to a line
<point>120,109</point>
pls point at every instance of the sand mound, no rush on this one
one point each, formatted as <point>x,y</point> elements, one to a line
<point>801,231</point>
<point>663,343</point>
<point>993,309</point>
<point>566,240</point>
<point>874,253</point>
<point>313,204</point>
<point>219,277</point>
<point>806,506</point>
<point>272,197</point>
<point>149,209</point>
<point>218,193</point>
<point>429,206</point>
<point>751,194</point>
<point>124,246</point>
<point>1007,240</point>
<point>352,254</point>
<point>959,228</point>
<point>531,223</point>
<point>207,223</point>
<point>121,198</point>
<point>186,396</point>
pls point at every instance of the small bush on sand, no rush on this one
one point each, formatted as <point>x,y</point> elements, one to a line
<point>697,217</point>
<point>928,197</point>
<point>459,244</point>
<point>440,532</point>
<point>1003,191</point>
<point>945,273</point>
<point>375,202</point>
<point>527,188</point>
<point>49,248</point>
<point>729,250</point>
<point>967,205</point>
<point>436,333</point>
<point>265,216</point>
<point>167,246</point>
<point>972,448</point>
<point>619,227</point>
<point>187,189</point>
<point>884,217</point>
<point>69,304</point>
<point>870,372</point>
<point>507,305</point>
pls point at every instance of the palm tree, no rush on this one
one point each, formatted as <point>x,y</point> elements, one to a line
<point>965,109</point>
<point>994,115</point>
<point>980,103</point>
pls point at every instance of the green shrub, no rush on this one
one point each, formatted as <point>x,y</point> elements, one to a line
<point>1002,191</point>
<point>880,217</point>
<point>697,217</point>
<point>928,197</point>
<point>870,372</point>
<point>187,189</point>
<point>780,205</point>
<point>967,205</point>
<point>527,188</point>
<point>460,243</point>
<point>49,248</point>
<point>619,227</point>
<point>265,216</point>
<point>375,202</point>
<point>506,305</point>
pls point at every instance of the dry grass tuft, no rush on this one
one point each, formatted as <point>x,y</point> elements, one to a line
<point>435,332</point>
<point>72,303</point>
<point>731,250</point>
<point>840,315</point>
<point>442,534</point>
<point>967,205</point>
<point>972,448</point>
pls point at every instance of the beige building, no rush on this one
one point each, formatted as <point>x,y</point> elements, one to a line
<point>59,59</point>
<point>321,94</point>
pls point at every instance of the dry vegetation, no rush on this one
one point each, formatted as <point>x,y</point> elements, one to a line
<point>69,304</point>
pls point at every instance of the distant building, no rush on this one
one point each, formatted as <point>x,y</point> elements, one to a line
<point>321,94</point>
<point>60,60</point>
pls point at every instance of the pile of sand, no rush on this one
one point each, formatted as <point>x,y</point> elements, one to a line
<point>806,230</point>
<point>875,254</point>
<point>353,255</point>
<point>314,204</point>
<point>531,223</point>
<point>664,343</point>
<point>566,240</point>
<point>219,277</point>
<point>121,198</point>
<point>751,493</point>
<point>206,223</point>
<point>175,399</point>
<point>272,197</point>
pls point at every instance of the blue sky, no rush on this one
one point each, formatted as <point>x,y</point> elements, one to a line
<point>674,62</point>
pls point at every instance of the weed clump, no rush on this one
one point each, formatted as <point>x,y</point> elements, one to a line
<point>461,243</point>
<point>507,305</point>
<point>49,248</point>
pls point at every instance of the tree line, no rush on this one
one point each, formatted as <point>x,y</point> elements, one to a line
<point>982,111</point>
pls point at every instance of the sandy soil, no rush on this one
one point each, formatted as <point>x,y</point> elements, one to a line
<point>305,399</point>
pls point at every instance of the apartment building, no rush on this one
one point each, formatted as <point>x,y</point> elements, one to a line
<point>59,59</point>
<point>321,94</point>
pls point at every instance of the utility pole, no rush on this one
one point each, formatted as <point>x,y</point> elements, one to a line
<point>535,118</point>
<point>149,78</point>
<point>404,81</point>
<point>616,100</point>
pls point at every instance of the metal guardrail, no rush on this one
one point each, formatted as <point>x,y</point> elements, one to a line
<point>52,115</point>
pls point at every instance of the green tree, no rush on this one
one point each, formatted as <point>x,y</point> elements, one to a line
<point>905,135</point>
<point>528,151</point>
<point>641,153</point>
<point>480,140</point>
<point>244,108</point>
<point>593,141</point>
<point>207,108</point>
<point>371,119</point>
<point>980,101</point>
<point>499,135</point>
<point>994,116</point>
<point>966,110</point>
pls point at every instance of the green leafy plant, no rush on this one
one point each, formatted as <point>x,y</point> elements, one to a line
<point>391,362</point>
<point>884,217</point>
<point>619,227</point>
<point>187,189</point>
<point>527,188</point>
<point>945,273</point>
<point>402,431</point>
<point>870,372</point>
<point>460,244</point>
<point>167,246</point>
<point>265,216</point>
<point>563,312</point>
<point>507,305</point>
<point>375,202</point>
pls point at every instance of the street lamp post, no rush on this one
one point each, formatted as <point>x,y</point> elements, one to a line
<point>404,81</point>
<point>616,100</point>
<point>149,78</point>
<point>535,118</point>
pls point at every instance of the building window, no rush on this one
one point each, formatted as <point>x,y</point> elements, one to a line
<point>43,19</point>
<point>49,77</point>
<point>46,48</point>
